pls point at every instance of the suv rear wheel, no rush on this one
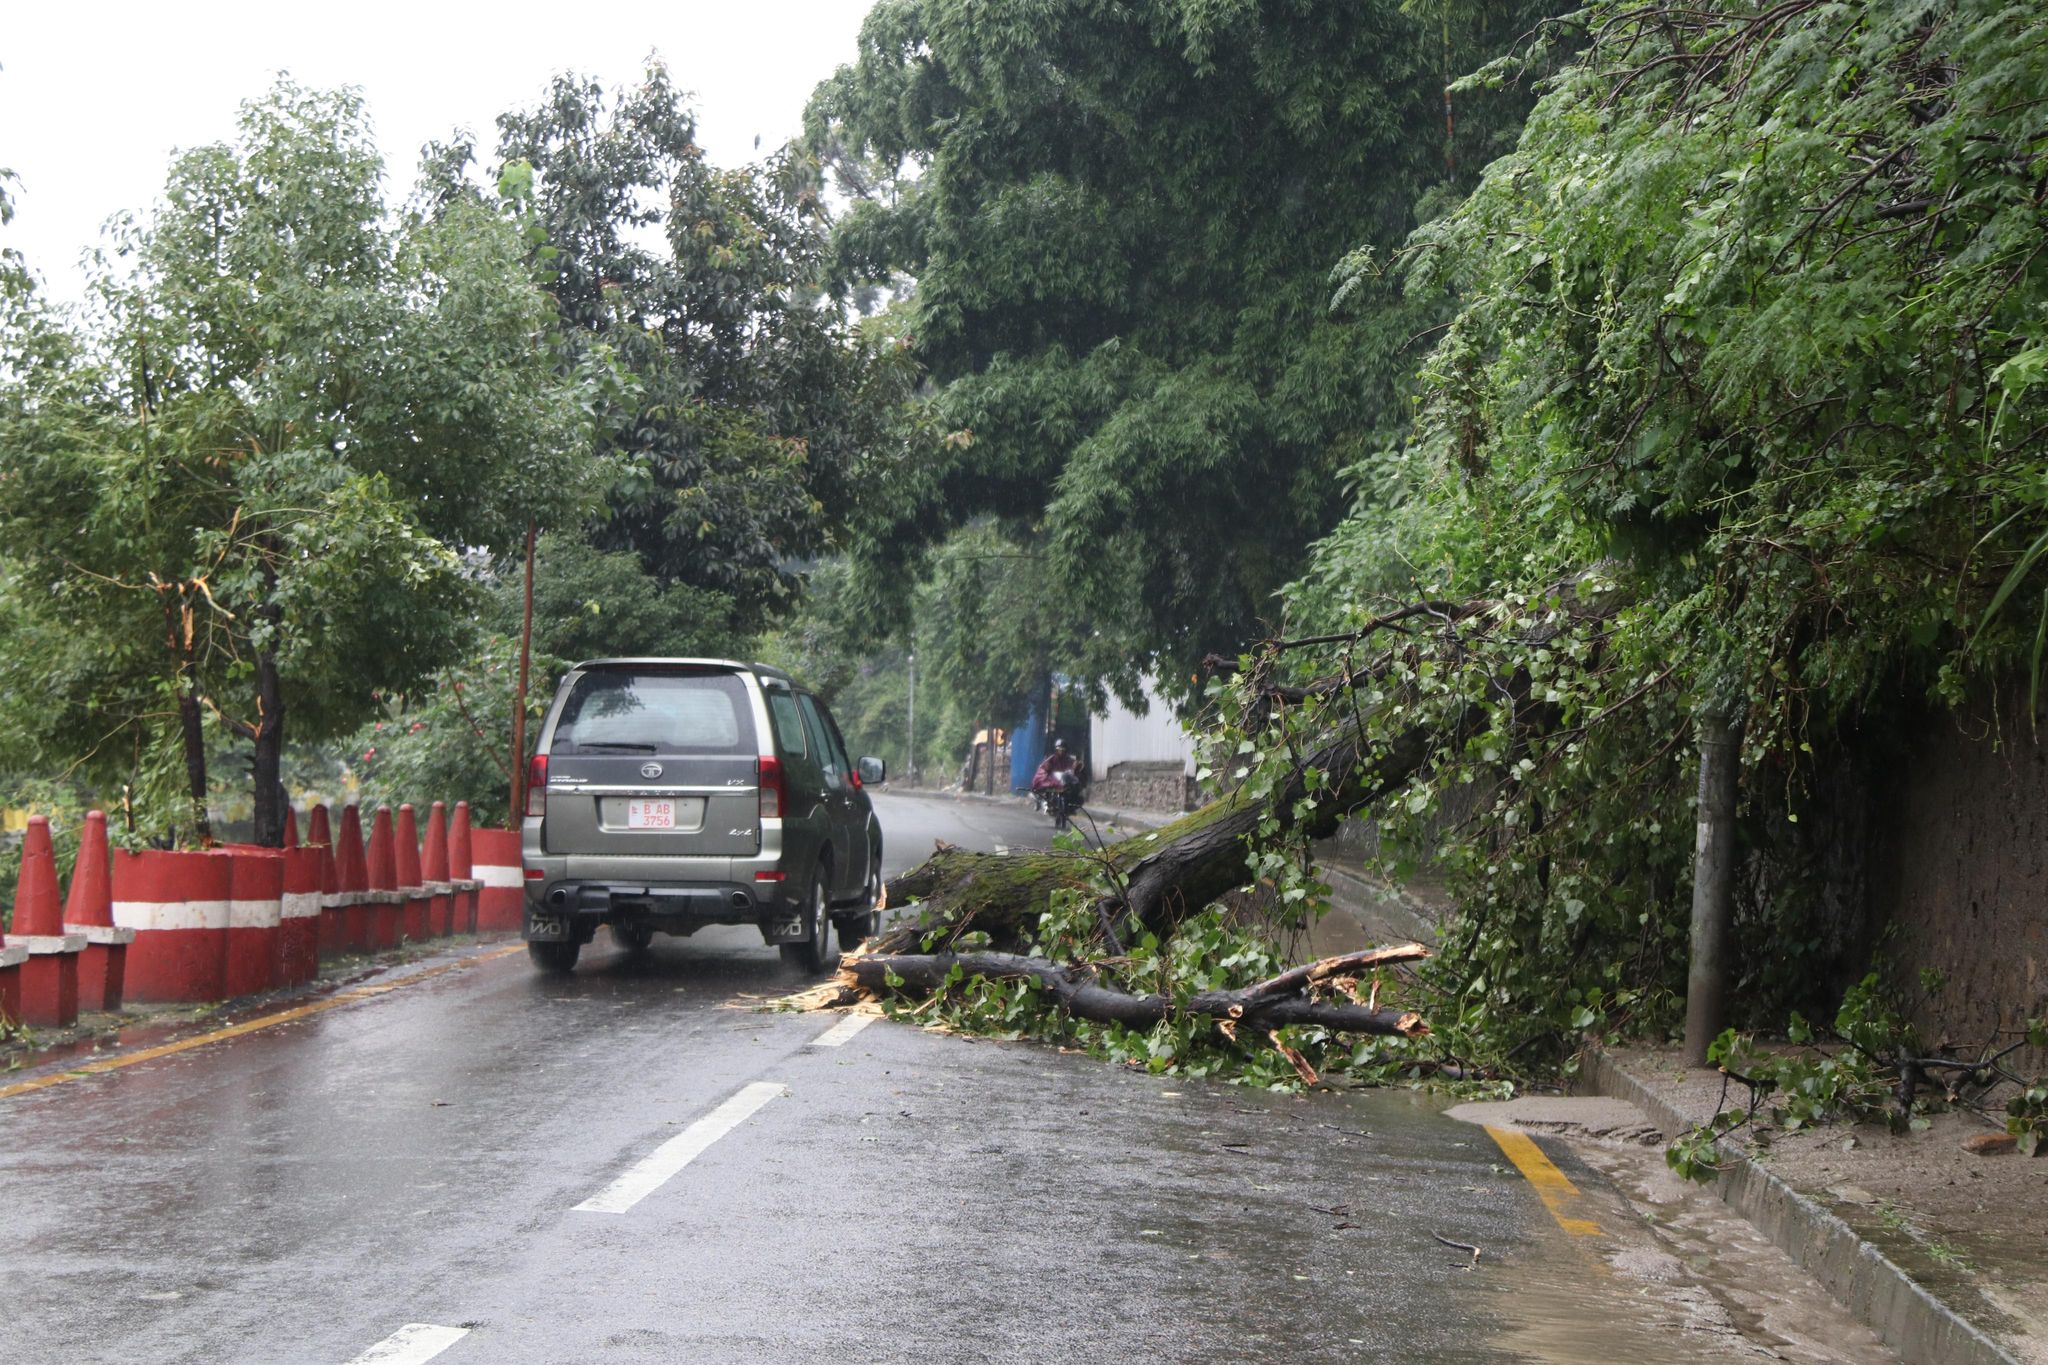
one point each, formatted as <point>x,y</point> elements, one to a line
<point>816,953</point>
<point>857,929</point>
<point>554,957</point>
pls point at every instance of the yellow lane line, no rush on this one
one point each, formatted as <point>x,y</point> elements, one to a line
<point>335,1001</point>
<point>1552,1186</point>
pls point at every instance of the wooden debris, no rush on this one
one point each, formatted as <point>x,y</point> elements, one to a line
<point>1266,1006</point>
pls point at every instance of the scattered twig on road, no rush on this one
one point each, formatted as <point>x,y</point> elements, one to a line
<point>1459,1246</point>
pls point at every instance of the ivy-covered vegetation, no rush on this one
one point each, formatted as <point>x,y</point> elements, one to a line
<point>1750,325</point>
<point>1735,416</point>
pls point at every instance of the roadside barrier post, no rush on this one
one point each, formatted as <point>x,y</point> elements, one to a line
<point>255,918</point>
<point>298,936</point>
<point>177,904</point>
<point>417,914</point>
<point>89,910</point>
<point>49,979</point>
<point>382,898</point>
<point>352,878</point>
<point>434,871</point>
<point>291,828</point>
<point>12,955</point>
<point>327,934</point>
<point>501,891</point>
<point>462,869</point>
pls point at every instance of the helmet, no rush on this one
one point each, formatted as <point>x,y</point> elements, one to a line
<point>1059,746</point>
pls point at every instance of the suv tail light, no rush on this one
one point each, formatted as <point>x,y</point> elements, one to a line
<point>537,786</point>
<point>774,795</point>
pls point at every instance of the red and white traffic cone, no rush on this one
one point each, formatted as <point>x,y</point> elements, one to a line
<point>416,915</point>
<point>461,869</point>
<point>89,910</point>
<point>434,870</point>
<point>382,897</point>
<point>49,979</point>
<point>352,881</point>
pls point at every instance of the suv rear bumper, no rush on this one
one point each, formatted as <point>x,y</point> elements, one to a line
<point>570,910</point>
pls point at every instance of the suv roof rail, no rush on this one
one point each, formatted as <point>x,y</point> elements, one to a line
<point>737,665</point>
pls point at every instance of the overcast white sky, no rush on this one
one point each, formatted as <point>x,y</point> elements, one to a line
<point>94,98</point>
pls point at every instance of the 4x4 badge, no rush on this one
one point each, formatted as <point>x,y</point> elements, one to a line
<point>650,771</point>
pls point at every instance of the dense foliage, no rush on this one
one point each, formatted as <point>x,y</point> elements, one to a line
<point>1113,225</point>
<point>1750,322</point>
<point>236,493</point>
<point>755,416</point>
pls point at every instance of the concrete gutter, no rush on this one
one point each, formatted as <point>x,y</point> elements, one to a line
<point>1904,1313</point>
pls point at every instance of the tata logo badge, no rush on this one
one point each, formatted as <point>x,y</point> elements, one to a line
<point>650,771</point>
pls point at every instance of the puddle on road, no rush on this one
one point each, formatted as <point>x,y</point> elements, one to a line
<point>1677,1275</point>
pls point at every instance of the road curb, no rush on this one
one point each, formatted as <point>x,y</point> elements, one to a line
<point>1905,1314</point>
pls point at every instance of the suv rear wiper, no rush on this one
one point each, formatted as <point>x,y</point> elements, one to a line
<point>622,748</point>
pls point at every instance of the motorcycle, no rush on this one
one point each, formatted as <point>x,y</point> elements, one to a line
<point>1062,801</point>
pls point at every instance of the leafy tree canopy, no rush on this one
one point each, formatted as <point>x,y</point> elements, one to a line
<point>1752,326</point>
<point>262,458</point>
<point>1120,221</point>
<point>754,407</point>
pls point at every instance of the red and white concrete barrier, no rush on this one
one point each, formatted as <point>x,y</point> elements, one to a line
<point>12,955</point>
<point>416,916</point>
<point>255,918</point>
<point>177,904</point>
<point>352,883</point>
<point>501,887</point>
<point>49,978</point>
<point>382,899</point>
<point>462,870</point>
<point>89,910</point>
<point>298,938</point>
<point>434,871</point>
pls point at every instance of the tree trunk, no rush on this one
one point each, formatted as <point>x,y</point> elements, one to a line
<point>1165,875</point>
<point>1290,998</point>
<point>266,766</point>
<point>192,728</point>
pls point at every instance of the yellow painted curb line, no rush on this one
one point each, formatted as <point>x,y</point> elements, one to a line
<point>1552,1186</point>
<point>335,1001</point>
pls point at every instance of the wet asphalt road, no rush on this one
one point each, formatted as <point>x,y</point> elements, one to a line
<point>303,1192</point>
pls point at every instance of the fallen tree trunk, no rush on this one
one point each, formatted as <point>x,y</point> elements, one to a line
<point>1167,874</point>
<point>1289,998</point>
<point>1162,877</point>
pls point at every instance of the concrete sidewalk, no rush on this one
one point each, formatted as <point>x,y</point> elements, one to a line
<point>1941,1250</point>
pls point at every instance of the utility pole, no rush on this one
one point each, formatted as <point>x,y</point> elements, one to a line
<point>518,811</point>
<point>1713,885</point>
<point>910,739</point>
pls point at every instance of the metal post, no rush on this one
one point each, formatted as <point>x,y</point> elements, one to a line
<point>910,741</point>
<point>518,811</point>
<point>1713,886</point>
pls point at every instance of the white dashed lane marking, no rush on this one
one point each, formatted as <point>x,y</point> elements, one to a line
<point>411,1345</point>
<point>651,1172</point>
<point>840,1032</point>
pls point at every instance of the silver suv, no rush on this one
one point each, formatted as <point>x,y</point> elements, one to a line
<point>668,794</point>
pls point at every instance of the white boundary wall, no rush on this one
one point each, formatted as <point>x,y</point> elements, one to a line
<point>1121,735</point>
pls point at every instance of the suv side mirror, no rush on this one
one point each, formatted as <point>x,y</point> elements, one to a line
<point>873,771</point>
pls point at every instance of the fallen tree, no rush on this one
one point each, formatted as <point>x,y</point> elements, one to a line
<point>1293,997</point>
<point>1347,766</point>
<point>1305,995</point>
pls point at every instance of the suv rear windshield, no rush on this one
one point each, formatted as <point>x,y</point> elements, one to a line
<point>656,713</point>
